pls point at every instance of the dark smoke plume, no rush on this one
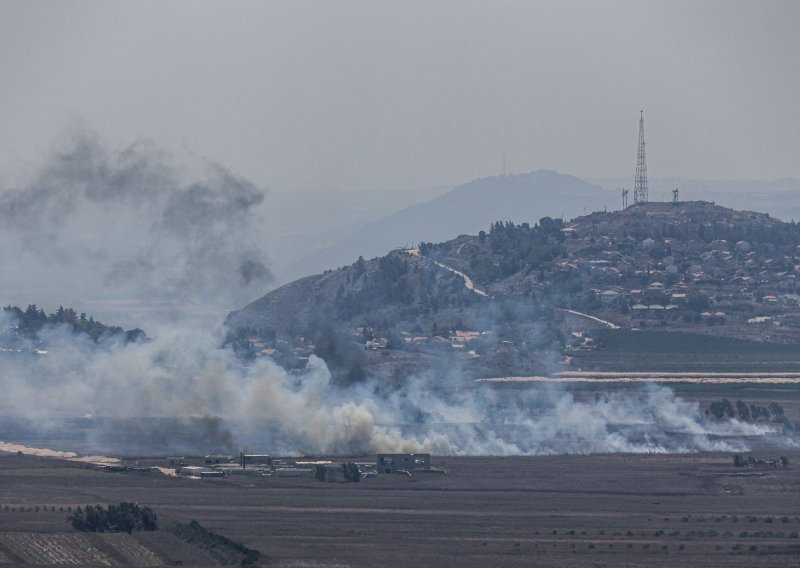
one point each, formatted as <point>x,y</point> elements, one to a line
<point>129,221</point>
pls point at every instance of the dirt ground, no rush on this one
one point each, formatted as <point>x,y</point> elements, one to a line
<point>599,510</point>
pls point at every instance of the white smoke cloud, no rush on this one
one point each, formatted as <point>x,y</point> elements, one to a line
<point>91,217</point>
<point>182,373</point>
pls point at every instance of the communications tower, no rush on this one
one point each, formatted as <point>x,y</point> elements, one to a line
<point>640,183</point>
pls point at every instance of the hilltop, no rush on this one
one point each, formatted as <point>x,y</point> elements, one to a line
<point>523,298</point>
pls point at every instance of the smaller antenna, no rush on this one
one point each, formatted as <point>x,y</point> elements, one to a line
<point>624,198</point>
<point>675,196</point>
<point>504,164</point>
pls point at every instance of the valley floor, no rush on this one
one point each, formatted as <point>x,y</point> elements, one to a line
<point>597,510</point>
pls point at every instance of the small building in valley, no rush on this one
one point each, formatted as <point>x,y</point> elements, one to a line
<point>215,459</point>
<point>391,463</point>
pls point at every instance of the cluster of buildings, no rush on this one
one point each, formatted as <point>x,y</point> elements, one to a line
<point>690,280</point>
<point>296,345</point>
<point>263,465</point>
<point>679,265</point>
<point>457,339</point>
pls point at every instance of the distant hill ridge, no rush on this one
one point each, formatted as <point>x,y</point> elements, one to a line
<point>465,209</point>
<point>693,267</point>
<point>309,297</point>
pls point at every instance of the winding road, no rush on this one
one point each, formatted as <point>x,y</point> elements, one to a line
<point>608,324</point>
<point>467,280</point>
<point>468,283</point>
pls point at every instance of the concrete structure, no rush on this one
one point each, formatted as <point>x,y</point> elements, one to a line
<point>212,473</point>
<point>391,463</point>
<point>197,471</point>
<point>254,459</point>
<point>217,459</point>
<point>293,472</point>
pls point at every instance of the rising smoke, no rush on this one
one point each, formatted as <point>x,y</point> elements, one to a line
<point>182,374</point>
<point>127,222</point>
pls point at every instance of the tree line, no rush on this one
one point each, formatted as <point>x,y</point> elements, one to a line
<point>515,247</point>
<point>125,517</point>
<point>31,320</point>
<point>749,413</point>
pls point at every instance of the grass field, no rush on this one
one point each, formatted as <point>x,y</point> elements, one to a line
<point>643,510</point>
<point>645,350</point>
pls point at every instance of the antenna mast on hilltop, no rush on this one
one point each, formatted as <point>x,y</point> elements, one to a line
<point>640,183</point>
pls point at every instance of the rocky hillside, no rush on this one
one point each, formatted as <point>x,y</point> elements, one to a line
<point>498,300</point>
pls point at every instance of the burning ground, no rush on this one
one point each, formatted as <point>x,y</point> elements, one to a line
<point>130,220</point>
<point>125,392</point>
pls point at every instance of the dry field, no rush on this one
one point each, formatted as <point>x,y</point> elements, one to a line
<point>616,510</point>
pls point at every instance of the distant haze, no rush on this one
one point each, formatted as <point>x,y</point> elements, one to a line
<point>376,95</point>
<point>467,209</point>
<point>164,162</point>
<point>205,152</point>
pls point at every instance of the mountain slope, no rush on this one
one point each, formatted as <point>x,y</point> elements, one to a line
<point>297,222</point>
<point>466,209</point>
<point>508,301</point>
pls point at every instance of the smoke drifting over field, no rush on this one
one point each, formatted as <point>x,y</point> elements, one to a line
<point>128,221</point>
<point>183,375</point>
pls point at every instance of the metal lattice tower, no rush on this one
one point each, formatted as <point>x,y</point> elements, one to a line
<point>640,183</point>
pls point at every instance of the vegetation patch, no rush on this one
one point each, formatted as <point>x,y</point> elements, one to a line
<point>221,548</point>
<point>54,548</point>
<point>31,320</point>
<point>125,517</point>
<point>751,413</point>
<point>649,350</point>
<point>749,461</point>
<point>644,341</point>
<point>132,551</point>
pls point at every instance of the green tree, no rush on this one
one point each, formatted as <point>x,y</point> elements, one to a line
<point>351,472</point>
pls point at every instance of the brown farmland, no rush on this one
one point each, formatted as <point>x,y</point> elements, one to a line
<point>599,510</point>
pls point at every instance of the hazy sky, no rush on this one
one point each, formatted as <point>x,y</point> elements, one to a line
<point>408,94</point>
